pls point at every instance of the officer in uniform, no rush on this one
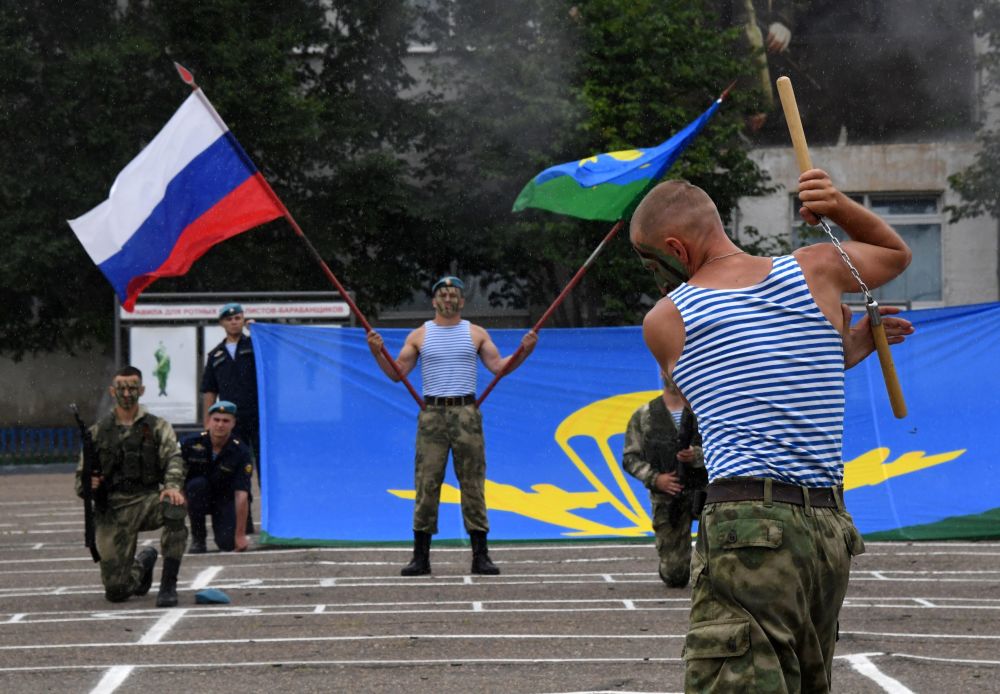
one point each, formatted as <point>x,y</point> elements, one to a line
<point>142,473</point>
<point>218,481</point>
<point>653,455</point>
<point>231,374</point>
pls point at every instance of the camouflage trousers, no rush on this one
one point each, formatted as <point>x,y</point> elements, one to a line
<point>459,430</point>
<point>769,582</point>
<point>673,539</point>
<point>117,531</point>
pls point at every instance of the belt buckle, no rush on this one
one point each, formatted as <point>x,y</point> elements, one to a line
<point>450,401</point>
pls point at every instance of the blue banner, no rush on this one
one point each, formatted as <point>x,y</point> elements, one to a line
<point>337,437</point>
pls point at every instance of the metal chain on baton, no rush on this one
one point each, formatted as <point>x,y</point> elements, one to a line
<point>871,305</point>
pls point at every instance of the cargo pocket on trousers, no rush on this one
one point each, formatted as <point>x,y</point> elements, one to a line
<point>717,653</point>
<point>855,544</point>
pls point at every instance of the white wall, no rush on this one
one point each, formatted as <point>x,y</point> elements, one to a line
<point>969,248</point>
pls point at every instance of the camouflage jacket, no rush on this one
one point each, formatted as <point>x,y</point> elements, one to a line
<point>651,445</point>
<point>169,459</point>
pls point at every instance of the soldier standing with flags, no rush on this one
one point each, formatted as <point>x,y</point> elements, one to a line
<point>756,346</point>
<point>448,347</point>
<point>142,472</point>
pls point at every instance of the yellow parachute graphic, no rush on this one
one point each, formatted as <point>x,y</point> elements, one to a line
<point>604,419</point>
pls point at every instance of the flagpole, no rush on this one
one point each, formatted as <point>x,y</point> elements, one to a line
<point>555,304</point>
<point>188,79</point>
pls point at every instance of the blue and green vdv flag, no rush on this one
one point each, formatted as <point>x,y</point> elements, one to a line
<point>605,186</point>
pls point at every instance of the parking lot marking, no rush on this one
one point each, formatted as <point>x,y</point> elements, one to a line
<point>205,577</point>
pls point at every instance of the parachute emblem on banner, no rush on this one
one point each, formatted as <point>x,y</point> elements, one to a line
<point>598,423</point>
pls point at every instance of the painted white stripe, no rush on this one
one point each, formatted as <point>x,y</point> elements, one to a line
<point>960,661</point>
<point>141,185</point>
<point>607,578</point>
<point>347,663</point>
<point>343,639</point>
<point>162,626</point>
<point>15,618</point>
<point>112,679</point>
<point>319,609</point>
<point>477,607</point>
<point>924,602</point>
<point>629,605</point>
<point>205,577</point>
<point>864,666</point>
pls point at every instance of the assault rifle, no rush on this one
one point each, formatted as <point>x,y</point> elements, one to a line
<point>91,497</point>
<point>687,430</point>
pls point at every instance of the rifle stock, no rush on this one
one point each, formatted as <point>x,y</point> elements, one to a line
<point>91,496</point>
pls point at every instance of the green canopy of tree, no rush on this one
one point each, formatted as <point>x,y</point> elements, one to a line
<point>979,184</point>
<point>525,84</point>
<point>313,90</point>
<point>397,169</point>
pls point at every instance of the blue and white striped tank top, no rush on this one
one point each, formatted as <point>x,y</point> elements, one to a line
<point>448,360</point>
<point>763,370</point>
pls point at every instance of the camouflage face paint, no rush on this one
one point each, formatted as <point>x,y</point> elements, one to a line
<point>447,302</point>
<point>667,270</point>
<point>127,395</point>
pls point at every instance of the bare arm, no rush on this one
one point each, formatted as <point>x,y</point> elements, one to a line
<point>663,331</point>
<point>858,341</point>
<point>407,358</point>
<point>876,250</point>
<point>490,355</point>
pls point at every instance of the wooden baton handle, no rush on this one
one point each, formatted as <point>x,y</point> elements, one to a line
<point>795,131</point>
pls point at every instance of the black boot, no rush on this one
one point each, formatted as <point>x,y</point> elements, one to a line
<point>147,557</point>
<point>167,597</point>
<point>197,545</point>
<point>481,563</point>
<point>420,564</point>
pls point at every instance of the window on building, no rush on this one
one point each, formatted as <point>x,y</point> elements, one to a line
<point>918,219</point>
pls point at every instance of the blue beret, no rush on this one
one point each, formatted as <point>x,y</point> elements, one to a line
<point>211,596</point>
<point>230,310</point>
<point>223,406</point>
<point>447,281</point>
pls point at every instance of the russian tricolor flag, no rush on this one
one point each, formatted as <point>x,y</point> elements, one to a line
<point>192,187</point>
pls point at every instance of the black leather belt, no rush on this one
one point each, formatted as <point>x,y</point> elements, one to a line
<point>754,489</point>
<point>449,400</point>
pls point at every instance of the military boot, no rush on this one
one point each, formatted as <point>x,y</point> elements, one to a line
<point>167,597</point>
<point>197,545</point>
<point>481,562</point>
<point>147,558</point>
<point>420,564</point>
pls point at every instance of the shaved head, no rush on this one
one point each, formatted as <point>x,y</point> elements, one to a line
<point>674,208</point>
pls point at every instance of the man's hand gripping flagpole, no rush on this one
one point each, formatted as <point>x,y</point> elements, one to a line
<point>188,79</point>
<point>795,130</point>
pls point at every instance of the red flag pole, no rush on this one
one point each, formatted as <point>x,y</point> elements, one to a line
<point>188,79</point>
<point>555,304</point>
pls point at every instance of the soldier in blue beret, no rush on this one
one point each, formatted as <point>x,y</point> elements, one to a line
<point>448,348</point>
<point>231,374</point>
<point>219,470</point>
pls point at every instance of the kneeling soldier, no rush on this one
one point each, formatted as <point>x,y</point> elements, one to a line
<point>142,472</point>
<point>218,482</point>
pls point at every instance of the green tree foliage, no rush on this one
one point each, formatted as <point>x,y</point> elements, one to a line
<point>311,89</point>
<point>978,185</point>
<point>537,82</point>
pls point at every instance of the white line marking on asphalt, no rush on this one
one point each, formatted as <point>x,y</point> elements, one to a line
<point>467,580</point>
<point>162,626</point>
<point>607,578</point>
<point>916,635</point>
<point>205,577</point>
<point>864,666</point>
<point>629,605</point>
<point>327,582</point>
<point>117,675</point>
<point>962,661</point>
<point>477,607</point>
<point>332,639</point>
<point>924,602</point>
<point>15,618</point>
<point>113,679</point>
<point>38,545</point>
<point>347,663</point>
<point>319,609</point>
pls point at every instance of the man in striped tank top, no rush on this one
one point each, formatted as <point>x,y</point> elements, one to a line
<point>758,346</point>
<point>448,348</point>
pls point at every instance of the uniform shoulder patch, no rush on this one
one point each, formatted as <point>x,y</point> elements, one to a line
<point>198,447</point>
<point>248,469</point>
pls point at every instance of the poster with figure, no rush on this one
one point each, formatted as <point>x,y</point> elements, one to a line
<point>168,359</point>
